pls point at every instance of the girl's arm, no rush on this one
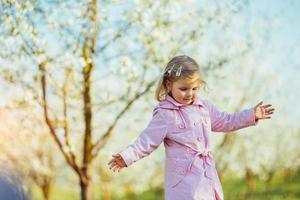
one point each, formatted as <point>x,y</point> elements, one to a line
<point>146,143</point>
<point>224,122</point>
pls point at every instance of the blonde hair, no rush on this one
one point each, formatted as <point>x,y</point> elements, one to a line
<point>178,67</point>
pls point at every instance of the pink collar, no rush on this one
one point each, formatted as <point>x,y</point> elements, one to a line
<point>171,103</point>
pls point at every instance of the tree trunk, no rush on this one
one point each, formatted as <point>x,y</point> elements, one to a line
<point>86,188</point>
<point>249,180</point>
<point>268,181</point>
<point>288,173</point>
<point>46,191</point>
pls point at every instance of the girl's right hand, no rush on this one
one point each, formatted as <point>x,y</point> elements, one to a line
<point>116,163</point>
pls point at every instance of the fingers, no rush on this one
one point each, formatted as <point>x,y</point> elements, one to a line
<point>114,160</point>
<point>114,166</point>
<point>260,104</point>
<point>111,161</point>
<point>270,111</point>
<point>264,111</point>
<point>267,115</point>
<point>116,155</point>
<point>117,168</point>
<point>267,106</point>
<point>120,169</point>
<point>116,163</point>
<point>266,118</point>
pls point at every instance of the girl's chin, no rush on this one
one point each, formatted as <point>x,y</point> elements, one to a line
<point>189,101</point>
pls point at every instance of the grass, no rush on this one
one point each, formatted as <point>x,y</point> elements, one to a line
<point>234,189</point>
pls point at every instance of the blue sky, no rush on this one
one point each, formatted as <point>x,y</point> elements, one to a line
<point>284,40</point>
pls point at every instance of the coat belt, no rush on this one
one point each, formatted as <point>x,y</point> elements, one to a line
<point>207,164</point>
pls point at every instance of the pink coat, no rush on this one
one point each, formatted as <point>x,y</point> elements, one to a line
<point>190,172</point>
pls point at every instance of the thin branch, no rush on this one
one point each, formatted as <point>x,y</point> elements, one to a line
<point>65,108</point>
<point>88,51</point>
<point>115,37</point>
<point>103,139</point>
<point>69,156</point>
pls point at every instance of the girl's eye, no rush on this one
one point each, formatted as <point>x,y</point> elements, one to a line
<point>183,89</point>
<point>195,88</point>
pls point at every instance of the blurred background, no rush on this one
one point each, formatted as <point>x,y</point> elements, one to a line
<point>77,82</point>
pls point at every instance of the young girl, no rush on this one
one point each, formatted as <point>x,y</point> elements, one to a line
<point>184,122</point>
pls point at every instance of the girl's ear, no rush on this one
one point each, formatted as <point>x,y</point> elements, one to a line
<point>168,86</point>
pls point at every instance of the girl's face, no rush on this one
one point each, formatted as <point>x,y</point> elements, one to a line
<point>184,90</point>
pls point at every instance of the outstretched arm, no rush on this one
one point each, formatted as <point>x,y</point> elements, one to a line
<point>224,122</point>
<point>146,143</point>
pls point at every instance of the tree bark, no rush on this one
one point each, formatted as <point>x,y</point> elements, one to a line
<point>46,191</point>
<point>288,173</point>
<point>249,180</point>
<point>85,188</point>
<point>86,184</point>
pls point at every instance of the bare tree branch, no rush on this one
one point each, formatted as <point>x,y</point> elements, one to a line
<point>65,108</point>
<point>87,110</point>
<point>69,155</point>
<point>103,139</point>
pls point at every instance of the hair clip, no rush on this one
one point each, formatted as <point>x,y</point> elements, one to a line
<point>170,70</point>
<point>178,71</point>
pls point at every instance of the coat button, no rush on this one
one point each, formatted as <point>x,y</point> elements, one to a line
<point>181,126</point>
<point>199,139</point>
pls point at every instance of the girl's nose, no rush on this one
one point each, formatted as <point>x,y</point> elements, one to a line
<point>189,93</point>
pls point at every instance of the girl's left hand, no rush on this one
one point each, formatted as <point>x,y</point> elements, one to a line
<point>263,111</point>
